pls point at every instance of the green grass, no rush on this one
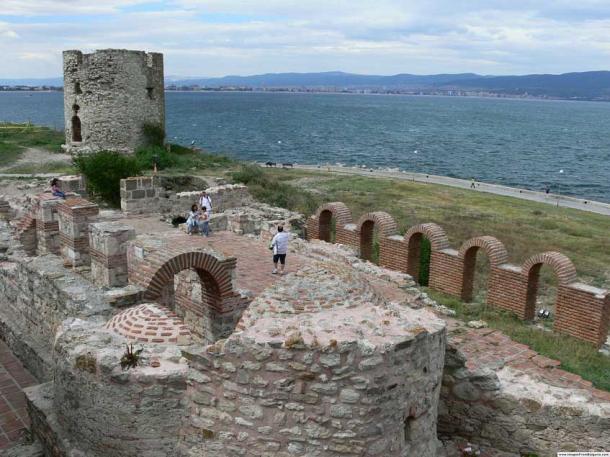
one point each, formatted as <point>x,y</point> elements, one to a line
<point>15,138</point>
<point>576,356</point>
<point>56,166</point>
<point>525,227</point>
<point>275,191</point>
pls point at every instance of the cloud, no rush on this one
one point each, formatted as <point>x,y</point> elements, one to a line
<point>217,37</point>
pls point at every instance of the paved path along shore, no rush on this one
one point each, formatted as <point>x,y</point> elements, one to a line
<point>551,199</point>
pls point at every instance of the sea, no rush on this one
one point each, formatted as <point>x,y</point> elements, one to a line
<point>515,142</point>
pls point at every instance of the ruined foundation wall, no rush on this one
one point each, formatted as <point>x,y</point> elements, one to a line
<point>349,400</point>
<point>36,296</point>
<point>145,194</point>
<point>516,414</point>
<point>99,409</point>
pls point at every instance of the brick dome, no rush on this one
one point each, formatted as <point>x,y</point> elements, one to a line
<point>150,323</point>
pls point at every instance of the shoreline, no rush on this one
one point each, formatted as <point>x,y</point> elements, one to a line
<point>582,204</point>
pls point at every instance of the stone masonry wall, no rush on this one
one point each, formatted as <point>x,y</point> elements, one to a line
<point>517,415</point>
<point>36,296</point>
<point>581,311</point>
<point>108,96</point>
<point>256,399</point>
<point>102,409</point>
<point>145,194</point>
<point>74,217</point>
<point>108,249</point>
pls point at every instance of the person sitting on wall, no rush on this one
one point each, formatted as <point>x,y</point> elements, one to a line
<point>56,189</point>
<point>194,220</point>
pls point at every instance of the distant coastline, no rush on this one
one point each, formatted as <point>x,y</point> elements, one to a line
<point>422,93</point>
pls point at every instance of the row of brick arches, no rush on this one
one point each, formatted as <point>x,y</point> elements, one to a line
<point>581,311</point>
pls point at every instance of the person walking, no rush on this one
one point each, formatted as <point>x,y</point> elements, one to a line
<point>473,184</point>
<point>279,244</point>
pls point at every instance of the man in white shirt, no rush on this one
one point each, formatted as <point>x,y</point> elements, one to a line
<point>279,244</point>
<point>206,202</point>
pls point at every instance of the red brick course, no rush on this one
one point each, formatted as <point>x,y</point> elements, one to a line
<point>581,311</point>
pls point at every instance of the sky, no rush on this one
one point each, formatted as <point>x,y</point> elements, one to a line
<point>245,37</point>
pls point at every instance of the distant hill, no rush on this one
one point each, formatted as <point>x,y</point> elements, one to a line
<point>591,85</point>
<point>586,85</point>
<point>33,82</point>
<point>326,79</point>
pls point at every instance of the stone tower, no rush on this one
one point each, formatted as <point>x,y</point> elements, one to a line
<point>108,96</point>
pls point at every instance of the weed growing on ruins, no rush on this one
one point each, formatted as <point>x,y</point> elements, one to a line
<point>273,191</point>
<point>575,356</point>
<point>130,358</point>
<point>104,171</point>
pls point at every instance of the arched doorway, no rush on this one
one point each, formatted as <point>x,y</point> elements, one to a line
<point>77,136</point>
<point>476,279</point>
<point>371,227</point>
<point>562,267</point>
<point>196,285</point>
<point>329,217</point>
<point>422,240</point>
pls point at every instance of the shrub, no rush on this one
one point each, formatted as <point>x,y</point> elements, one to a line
<point>154,135</point>
<point>146,156</point>
<point>104,171</point>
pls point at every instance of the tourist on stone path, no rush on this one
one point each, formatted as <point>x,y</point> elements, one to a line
<point>204,228</point>
<point>194,220</point>
<point>206,202</point>
<point>56,189</point>
<point>279,244</point>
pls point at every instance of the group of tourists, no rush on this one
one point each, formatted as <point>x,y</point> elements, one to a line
<point>199,219</point>
<point>199,215</point>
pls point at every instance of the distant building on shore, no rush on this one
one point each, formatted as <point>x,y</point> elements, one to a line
<point>109,96</point>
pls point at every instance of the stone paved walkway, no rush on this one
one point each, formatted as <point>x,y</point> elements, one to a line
<point>13,415</point>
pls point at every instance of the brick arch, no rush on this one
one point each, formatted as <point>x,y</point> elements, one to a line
<point>207,266</point>
<point>365,227</point>
<point>209,317</point>
<point>561,265</point>
<point>413,238</point>
<point>496,252</point>
<point>325,214</point>
<point>494,248</point>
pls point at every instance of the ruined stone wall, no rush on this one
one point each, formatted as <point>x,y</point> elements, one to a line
<point>581,311</point>
<point>74,217</point>
<point>108,96</point>
<point>95,408</point>
<point>314,377</point>
<point>518,415</point>
<point>108,250</point>
<point>36,296</point>
<point>145,194</point>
